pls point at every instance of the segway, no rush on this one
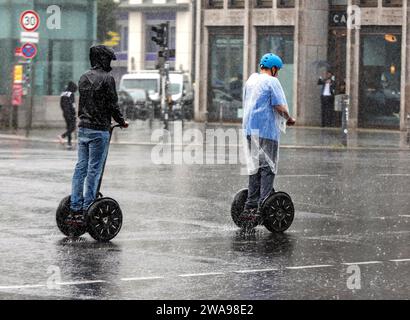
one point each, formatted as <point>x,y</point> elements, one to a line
<point>276,213</point>
<point>103,216</point>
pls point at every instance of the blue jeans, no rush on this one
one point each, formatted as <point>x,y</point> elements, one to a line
<point>92,151</point>
<point>261,183</point>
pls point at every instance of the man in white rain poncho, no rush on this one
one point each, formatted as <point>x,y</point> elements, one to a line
<point>265,115</point>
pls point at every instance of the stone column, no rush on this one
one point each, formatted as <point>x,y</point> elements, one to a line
<point>352,70</point>
<point>311,43</point>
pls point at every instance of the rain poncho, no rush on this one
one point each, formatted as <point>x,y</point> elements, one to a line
<point>261,121</point>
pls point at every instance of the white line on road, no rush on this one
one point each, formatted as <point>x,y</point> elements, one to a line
<point>361,263</point>
<point>405,216</point>
<point>304,176</point>
<point>310,267</point>
<point>400,260</point>
<point>256,271</point>
<point>394,175</point>
<point>201,274</point>
<point>141,278</point>
<point>23,286</point>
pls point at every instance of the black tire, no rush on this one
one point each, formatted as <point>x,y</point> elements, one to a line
<point>62,213</point>
<point>278,212</point>
<point>104,219</point>
<point>238,205</point>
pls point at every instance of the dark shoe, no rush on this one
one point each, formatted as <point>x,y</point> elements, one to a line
<point>251,217</point>
<point>76,219</point>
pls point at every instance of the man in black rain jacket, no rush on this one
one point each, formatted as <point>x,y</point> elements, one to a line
<point>98,104</point>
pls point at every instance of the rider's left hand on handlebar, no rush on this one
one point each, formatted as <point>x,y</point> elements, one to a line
<point>126,125</point>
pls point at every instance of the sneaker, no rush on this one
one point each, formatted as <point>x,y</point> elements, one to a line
<point>69,147</point>
<point>251,216</point>
<point>76,218</point>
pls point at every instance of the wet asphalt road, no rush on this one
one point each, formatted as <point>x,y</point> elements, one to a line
<point>178,241</point>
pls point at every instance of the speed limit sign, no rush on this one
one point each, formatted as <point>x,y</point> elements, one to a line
<point>29,20</point>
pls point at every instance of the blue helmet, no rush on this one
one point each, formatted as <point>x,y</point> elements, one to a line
<point>271,60</point>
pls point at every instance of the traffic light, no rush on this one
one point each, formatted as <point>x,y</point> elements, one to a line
<point>161,37</point>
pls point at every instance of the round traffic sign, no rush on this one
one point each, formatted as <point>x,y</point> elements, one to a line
<point>30,20</point>
<point>29,50</point>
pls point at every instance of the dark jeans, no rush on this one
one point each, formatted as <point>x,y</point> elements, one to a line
<point>92,151</point>
<point>328,104</point>
<point>261,183</point>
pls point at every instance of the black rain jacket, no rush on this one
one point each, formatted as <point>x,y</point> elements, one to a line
<point>98,94</point>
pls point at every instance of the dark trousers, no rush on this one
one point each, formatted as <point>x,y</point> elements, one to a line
<point>70,123</point>
<point>261,183</point>
<point>328,104</point>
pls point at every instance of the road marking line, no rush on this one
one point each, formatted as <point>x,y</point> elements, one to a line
<point>201,274</point>
<point>23,286</point>
<point>310,267</point>
<point>256,270</point>
<point>394,175</point>
<point>141,278</point>
<point>400,260</point>
<point>360,263</point>
<point>405,216</point>
<point>304,176</point>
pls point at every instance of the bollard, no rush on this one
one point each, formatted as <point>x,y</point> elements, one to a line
<point>342,105</point>
<point>408,128</point>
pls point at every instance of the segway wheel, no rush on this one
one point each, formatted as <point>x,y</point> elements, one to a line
<point>278,212</point>
<point>104,219</point>
<point>63,216</point>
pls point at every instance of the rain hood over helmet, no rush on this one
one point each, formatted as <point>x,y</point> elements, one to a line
<point>101,57</point>
<point>270,61</point>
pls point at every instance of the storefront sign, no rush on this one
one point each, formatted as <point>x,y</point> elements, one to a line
<point>18,73</point>
<point>338,19</point>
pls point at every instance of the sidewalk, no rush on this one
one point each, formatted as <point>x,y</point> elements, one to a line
<point>139,133</point>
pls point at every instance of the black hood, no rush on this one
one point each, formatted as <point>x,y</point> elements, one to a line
<point>72,87</point>
<point>101,57</point>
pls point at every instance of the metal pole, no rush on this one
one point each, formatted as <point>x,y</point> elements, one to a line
<point>30,100</point>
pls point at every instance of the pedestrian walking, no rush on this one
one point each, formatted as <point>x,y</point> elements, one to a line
<point>67,104</point>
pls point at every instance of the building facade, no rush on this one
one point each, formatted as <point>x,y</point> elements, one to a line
<point>363,42</point>
<point>63,53</point>
<point>140,16</point>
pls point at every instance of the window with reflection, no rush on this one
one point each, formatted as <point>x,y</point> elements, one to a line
<point>214,4</point>
<point>236,4</point>
<point>380,78</point>
<point>263,3</point>
<point>225,78</point>
<point>285,3</point>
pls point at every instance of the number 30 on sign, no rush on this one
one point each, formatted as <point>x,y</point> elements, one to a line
<point>29,20</point>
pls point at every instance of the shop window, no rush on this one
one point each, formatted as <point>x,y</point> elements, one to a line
<point>380,78</point>
<point>225,82</point>
<point>263,3</point>
<point>392,3</point>
<point>236,4</point>
<point>286,3</point>
<point>368,3</point>
<point>214,4</point>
